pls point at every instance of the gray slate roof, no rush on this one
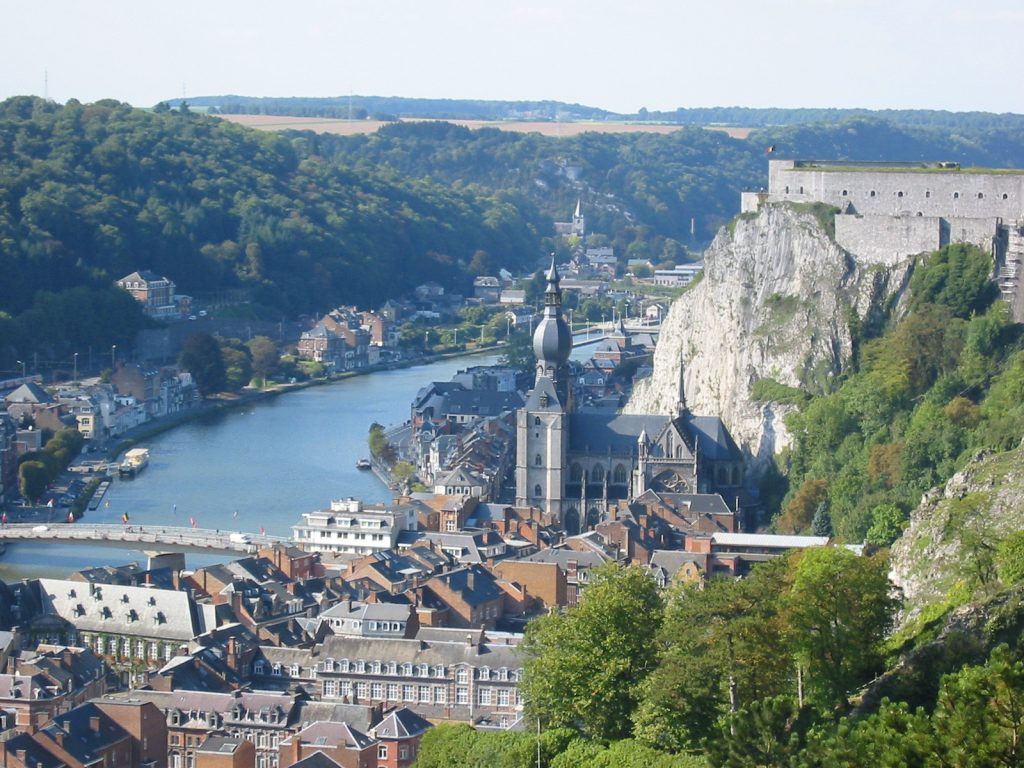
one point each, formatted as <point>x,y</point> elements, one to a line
<point>142,611</point>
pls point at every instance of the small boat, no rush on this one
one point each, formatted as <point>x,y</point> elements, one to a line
<point>134,462</point>
<point>363,464</point>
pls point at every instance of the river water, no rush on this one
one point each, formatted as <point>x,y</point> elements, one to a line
<point>255,467</point>
<point>258,466</point>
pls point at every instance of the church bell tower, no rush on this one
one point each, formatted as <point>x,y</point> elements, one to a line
<point>542,436</point>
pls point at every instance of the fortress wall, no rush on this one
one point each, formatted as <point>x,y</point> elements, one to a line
<point>949,194</point>
<point>981,232</point>
<point>887,240</point>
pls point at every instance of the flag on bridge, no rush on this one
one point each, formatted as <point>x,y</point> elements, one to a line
<point>50,503</point>
<point>124,518</point>
<point>71,517</point>
<point>193,523</point>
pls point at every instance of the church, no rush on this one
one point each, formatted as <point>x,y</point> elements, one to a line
<point>576,465</point>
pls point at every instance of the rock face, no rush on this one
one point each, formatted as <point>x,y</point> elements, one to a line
<point>776,301</point>
<point>945,554</point>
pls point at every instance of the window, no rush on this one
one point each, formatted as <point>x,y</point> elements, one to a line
<point>621,477</point>
<point>575,472</point>
<point>259,667</point>
<point>844,193</point>
<point>424,670</point>
<point>872,193</point>
<point>392,691</point>
<point>295,670</point>
<point>330,688</point>
<point>408,693</point>
<point>462,696</point>
<point>956,195</point>
<point>503,697</point>
<point>361,690</point>
<point>537,491</point>
<point>899,194</point>
<point>376,690</point>
<point>462,676</point>
<point>382,752</point>
<point>403,751</point>
<point>536,421</point>
<point>484,673</point>
<point>483,696</point>
<point>440,694</point>
<point>425,694</point>
<point>276,670</point>
<point>1005,196</point>
<point>538,460</point>
<point>597,474</point>
<point>981,195</point>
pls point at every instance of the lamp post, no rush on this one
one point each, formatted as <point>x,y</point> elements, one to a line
<point>22,364</point>
<point>113,357</point>
<point>76,367</point>
<point>508,326</point>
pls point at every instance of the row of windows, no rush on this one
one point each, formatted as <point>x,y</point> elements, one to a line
<point>927,194</point>
<point>421,694</point>
<point>462,674</point>
<point>620,476</point>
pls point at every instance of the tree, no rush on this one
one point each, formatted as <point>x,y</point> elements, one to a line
<point>33,477</point>
<point>821,525</point>
<point>767,733</point>
<point>201,356</point>
<point>1010,558</point>
<point>265,356</point>
<point>583,667</point>
<point>377,442</point>
<point>838,610</point>
<point>800,510</point>
<point>887,524</point>
<point>237,363</point>
<point>721,646</point>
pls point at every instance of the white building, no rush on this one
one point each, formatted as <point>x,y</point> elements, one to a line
<point>352,528</point>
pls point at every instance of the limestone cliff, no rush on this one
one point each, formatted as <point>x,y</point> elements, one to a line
<point>776,301</point>
<point>946,553</point>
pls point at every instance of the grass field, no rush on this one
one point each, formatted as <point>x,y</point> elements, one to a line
<point>352,127</point>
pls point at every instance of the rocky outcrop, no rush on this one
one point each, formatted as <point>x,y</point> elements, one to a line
<point>776,301</point>
<point>947,551</point>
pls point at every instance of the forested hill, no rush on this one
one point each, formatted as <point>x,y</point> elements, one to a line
<point>299,222</point>
<point>90,193</point>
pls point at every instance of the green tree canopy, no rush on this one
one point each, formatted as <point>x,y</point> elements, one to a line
<point>584,666</point>
<point>201,356</point>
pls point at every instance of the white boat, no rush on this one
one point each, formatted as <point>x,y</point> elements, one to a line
<point>135,460</point>
<point>363,464</point>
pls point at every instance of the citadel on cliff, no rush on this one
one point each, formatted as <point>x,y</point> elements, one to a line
<point>890,211</point>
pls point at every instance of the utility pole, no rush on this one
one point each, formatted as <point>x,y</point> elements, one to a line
<point>76,367</point>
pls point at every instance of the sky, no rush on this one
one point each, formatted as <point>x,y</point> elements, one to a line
<point>956,55</point>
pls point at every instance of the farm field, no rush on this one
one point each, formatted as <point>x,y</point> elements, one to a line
<point>353,127</point>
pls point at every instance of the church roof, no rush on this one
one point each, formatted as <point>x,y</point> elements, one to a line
<point>596,432</point>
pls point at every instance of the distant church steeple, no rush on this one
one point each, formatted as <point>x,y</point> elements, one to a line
<point>681,407</point>
<point>579,227</point>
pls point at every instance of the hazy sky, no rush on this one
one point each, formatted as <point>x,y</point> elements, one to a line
<point>621,55</point>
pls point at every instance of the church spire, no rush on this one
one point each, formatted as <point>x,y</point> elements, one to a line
<point>681,408</point>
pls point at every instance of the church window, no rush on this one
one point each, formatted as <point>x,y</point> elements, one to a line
<point>679,451</point>
<point>956,195</point>
<point>871,193</point>
<point>597,473</point>
<point>537,491</point>
<point>668,444</point>
<point>899,194</point>
<point>1005,196</point>
<point>722,479</point>
<point>735,475</point>
<point>538,460</point>
<point>575,472</point>
<point>536,421</point>
<point>621,476</point>
<point>981,195</point>
<point>844,193</point>
<point>927,193</point>
<point>787,189</point>
<point>801,190</point>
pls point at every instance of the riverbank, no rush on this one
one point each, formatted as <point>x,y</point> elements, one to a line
<point>231,401</point>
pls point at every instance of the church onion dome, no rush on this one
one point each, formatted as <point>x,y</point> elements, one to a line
<point>552,341</point>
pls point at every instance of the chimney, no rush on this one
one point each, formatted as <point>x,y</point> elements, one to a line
<point>232,654</point>
<point>60,739</point>
<point>470,580</point>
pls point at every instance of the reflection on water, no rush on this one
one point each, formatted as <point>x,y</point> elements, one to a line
<point>261,466</point>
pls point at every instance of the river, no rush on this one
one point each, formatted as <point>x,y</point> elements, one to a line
<point>258,466</point>
<point>255,467</point>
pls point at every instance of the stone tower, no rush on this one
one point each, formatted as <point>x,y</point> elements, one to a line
<point>542,423</point>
